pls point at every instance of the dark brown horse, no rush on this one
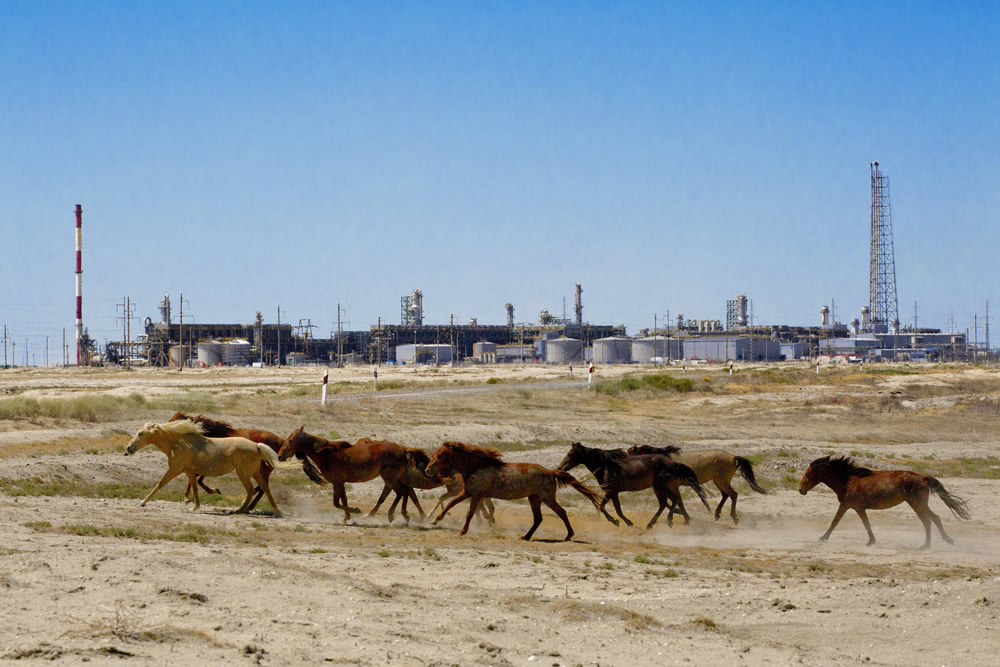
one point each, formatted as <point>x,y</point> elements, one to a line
<point>861,489</point>
<point>341,462</point>
<point>716,465</point>
<point>615,471</point>
<point>221,429</point>
<point>417,478</point>
<point>486,475</point>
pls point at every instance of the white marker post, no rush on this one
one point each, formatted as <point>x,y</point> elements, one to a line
<point>375,371</point>
<point>326,374</point>
<point>590,375</point>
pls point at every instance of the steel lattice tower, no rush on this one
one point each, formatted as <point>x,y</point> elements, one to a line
<point>884,304</point>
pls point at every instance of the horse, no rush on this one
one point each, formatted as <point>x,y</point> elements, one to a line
<point>417,478</point>
<point>615,471</point>
<point>486,475</point>
<point>716,465</point>
<point>862,489</point>
<point>189,451</point>
<point>221,429</point>
<point>340,462</point>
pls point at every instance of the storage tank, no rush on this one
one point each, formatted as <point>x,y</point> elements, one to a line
<point>563,350</point>
<point>177,355</point>
<point>210,353</point>
<point>236,353</point>
<point>613,350</point>
<point>483,347</point>
<point>644,350</point>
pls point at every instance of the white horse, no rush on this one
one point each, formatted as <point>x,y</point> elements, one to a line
<point>189,451</point>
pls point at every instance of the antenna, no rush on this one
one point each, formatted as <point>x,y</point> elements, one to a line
<point>884,304</point>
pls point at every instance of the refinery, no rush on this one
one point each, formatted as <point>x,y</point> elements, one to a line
<point>875,334</point>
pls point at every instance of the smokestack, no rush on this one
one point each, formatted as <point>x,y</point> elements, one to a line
<point>79,280</point>
<point>510,315</point>
<point>578,304</point>
<point>824,316</point>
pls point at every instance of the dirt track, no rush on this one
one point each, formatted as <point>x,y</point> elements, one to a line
<point>99,577</point>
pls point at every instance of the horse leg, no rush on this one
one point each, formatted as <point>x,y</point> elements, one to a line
<point>416,502</point>
<point>678,505</point>
<point>486,510</point>
<point>208,489</point>
<point>727,490</point>
<point>265,474</point>
<point>167,476</point>
<point>604,502</point>
<point>264,487</point>
<point>247,482</point>
<point>339,492</point>
<point>381,499</point>
<point>937,522</point>
<point>871,535</point>
<point>536,513</point>
<point>462,496</point>
<point>662,495</point>
<point>561,513</point>
<point>473,505</point>
<point>836,519</point>
<point>618,507</point>
<point>194,488</point>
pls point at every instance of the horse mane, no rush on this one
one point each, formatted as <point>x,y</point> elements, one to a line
<point>212,428</point>
<point>840,466</point>
<point>486,458</point>
<point>417,458</point>
<point>182,427</point>
<point>652,449</point>
<point>323,445</point>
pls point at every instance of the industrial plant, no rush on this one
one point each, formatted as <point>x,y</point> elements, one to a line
<point>876,334</point>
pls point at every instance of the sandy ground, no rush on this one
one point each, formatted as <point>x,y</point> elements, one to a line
<point>100,579</point>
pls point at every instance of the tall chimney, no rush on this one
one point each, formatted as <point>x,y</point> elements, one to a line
<point>79,280</point>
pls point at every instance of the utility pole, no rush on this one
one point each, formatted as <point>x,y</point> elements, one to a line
<point>914,316</point>
<point>46,350</point>
<point>975,345</point>
<point>987,330</point>
<point>26,352</point>
<point>5,344</point>
<point>13,351</point>
<point>340,344</point>
<point>64,346</point>
<point>180,366</point>
<point>279,336</point>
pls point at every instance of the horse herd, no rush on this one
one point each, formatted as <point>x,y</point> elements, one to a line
<point>201,447</point>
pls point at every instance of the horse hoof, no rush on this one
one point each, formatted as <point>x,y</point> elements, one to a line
<point>568,537</point>
<point>615,522</point>
<point>949,540</point>
<point>824,538</point>
<point>278,514</point>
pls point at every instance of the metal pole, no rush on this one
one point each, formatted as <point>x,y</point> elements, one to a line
<point>279,336</point>
<point>180,366</point>
<point>79,281</point>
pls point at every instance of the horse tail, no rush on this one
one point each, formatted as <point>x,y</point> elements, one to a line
<point>957,505</point>
<point>687,476</point>
<point>269,458</point>
<point>312,472</point>
<point>746,470</point>
<point>563,478</point>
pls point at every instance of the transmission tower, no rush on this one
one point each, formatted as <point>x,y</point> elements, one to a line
<point>884,304</point>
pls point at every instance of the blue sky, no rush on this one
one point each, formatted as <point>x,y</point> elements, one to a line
<point>667,156</point>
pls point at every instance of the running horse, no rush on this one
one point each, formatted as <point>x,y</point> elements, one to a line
<point>189,451</point>
<point>716,465</point>
<point>615,471</point>
<point>417,478</point>
<point>221,429</point>
<point>340,462</point>
<point>486,475</point>
<point>861,489</point>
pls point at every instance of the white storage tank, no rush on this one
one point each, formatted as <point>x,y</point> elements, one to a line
<point>613,350</point>
<point>563,350</point>
<point>210,353</point>
<point>646,350</point>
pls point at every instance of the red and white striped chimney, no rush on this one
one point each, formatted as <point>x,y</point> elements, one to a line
<point>79,280</point>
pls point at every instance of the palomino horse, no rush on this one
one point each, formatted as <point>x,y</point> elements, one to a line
<point>486,475</point>
<point>221,429</point>
<point>417,478</point>
<point>189,451</point>
<point>716,465</point>
<point>862,489</point>
<point>341,462</point>
<point>617,472</point>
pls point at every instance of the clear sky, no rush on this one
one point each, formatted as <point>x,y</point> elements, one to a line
<point>668,156</point>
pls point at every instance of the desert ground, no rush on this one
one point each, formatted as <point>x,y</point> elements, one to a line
<point>86,574</point>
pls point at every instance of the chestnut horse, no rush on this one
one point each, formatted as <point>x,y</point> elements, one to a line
<point>716,465</point>
<point>486,475</point>
<point>221,429</point>
<point>341,462</point>
<point>615,471</point>
<point>861,489</point>
<point>417,478</point>
<point>189,451</point>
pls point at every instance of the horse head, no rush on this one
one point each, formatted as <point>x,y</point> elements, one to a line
<point>140,439</point>
<point>573,458</point>
<point>440,464</point>
<point>811,477</point>
<point>293,444</point>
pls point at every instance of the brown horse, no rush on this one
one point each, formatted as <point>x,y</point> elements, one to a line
<point>862,489</point>
<point>486,475</point>
<point>716,465</point>
<point>341,462</point>
<point>417,478</point>
<point>616,472</point>
<point>189,451</point>
<point>221,429</point>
